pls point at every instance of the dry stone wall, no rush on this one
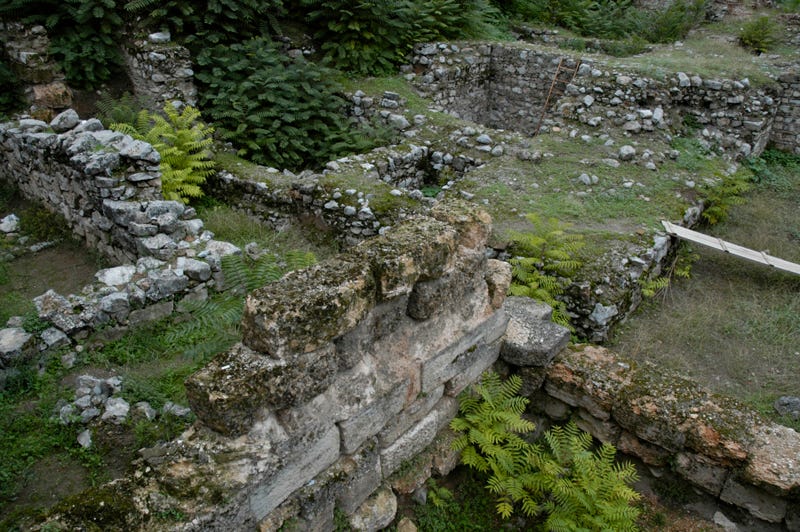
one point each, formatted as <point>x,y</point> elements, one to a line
<point>786,129</point>
<point>505,86</point>
<point>718,446</point>
<point>341,391</point>
<point>160,70</point>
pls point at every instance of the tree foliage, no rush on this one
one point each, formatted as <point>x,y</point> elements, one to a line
<point>275,109</point>
<point>84,35</point>
<point>563,481</point>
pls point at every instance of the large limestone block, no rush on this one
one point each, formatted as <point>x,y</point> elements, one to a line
<point>308,308</point>
<point>450,290</point>
<point>498,279</point>
<point>531,339</point>
<point>228,392</point>
<point>376,513</point>
<point>757,501</point>
<point>306,462</point>
<point>774,459</point>
<point>701,471</point>
<point>472,224</point>
<point>422,248</point>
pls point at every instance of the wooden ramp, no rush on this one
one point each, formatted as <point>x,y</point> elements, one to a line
<point>733,249</point>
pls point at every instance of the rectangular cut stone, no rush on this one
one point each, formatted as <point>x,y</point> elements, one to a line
<point>437,370</point>
<point>418,437</point>
<point>410,415</point>
<point>605,431</point>
<point>758,502</point>
<point>701,472</point>
<point>468,367</point>
<point>309,462</point>
<point>371,420</point>
<point>363,476</point>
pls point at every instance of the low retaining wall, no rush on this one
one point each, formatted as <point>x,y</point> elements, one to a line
<point>719,446</point>
<point>341,391</point>
<point>505,85</point>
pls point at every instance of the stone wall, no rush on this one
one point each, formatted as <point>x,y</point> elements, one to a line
<point>505,86</point>
<point>105,184</point>
<point>786,129</point>
<point>720,447</point>
<point>27,49</point>
<point>347,372</point>
<point>341,391</point>
<point>161,71</point>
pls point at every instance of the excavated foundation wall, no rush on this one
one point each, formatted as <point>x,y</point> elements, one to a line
<point>506,85</point>
<point>340,394</point>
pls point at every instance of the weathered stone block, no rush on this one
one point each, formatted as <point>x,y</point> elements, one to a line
<point>14,342</point>
<point>530,341</point>
<point>418,437</point>
<point>418,249</point>
<point>306,462</point>
<point>410,415</point>
<point>758,502</point>
<point>438,369</point>
<point>701,472</point>
<point>228,392</point>
<point>605,431</point>
<point>447,292</point>
<point>468,367</point>
<point>363,476</point>
<point>498,279</point>
<point>371,420</point>
<point>151,313</point>
<point>473,225</point>
<point>649,454</point>
<point>376,513</point>
<point>774,459</point>
<point>308,308</point>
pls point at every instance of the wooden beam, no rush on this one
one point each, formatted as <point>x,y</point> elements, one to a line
<point>739,251</point>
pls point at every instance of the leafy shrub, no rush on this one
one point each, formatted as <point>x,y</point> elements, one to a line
<point>183,142</point>
<point>575,488</point>
<point>673,22</point>
<point>84,35</point>
<point>199,23</point>
<point>543,260</point>
<point>759,35</point>
<point>373,36</point>
<point>10,91</point>
<point>274,109</point>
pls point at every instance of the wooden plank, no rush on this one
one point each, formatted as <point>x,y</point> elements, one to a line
<point>734,249</point>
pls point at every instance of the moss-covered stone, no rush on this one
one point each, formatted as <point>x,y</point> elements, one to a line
<point>421,248</point>
<point>308,308</point>
<point>106,507</point>
<point>228,393</point>
<point>472,223</point>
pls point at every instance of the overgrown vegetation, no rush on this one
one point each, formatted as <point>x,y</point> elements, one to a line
<point>183,141</point>
<point>84,35</point>
<point>759,35</point>
<point>562,481</point>
<point>544,258</point>
<point>10,90</point>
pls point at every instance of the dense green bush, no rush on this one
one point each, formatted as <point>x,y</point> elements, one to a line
<point>563,482</point>
<point>275,109</point>
<point>10,91</point>
<point>199,23</point>
<point>673,22</point>
<point>373,36</point>
<point>84,35</point>
<point>759,35</point>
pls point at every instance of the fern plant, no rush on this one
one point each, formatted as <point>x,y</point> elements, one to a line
<point>569,486</point>
<point>183,141</point>
<point>544,259</point>
<point>490,422</point>
<point>721,196</point>
<point>587,490</point>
